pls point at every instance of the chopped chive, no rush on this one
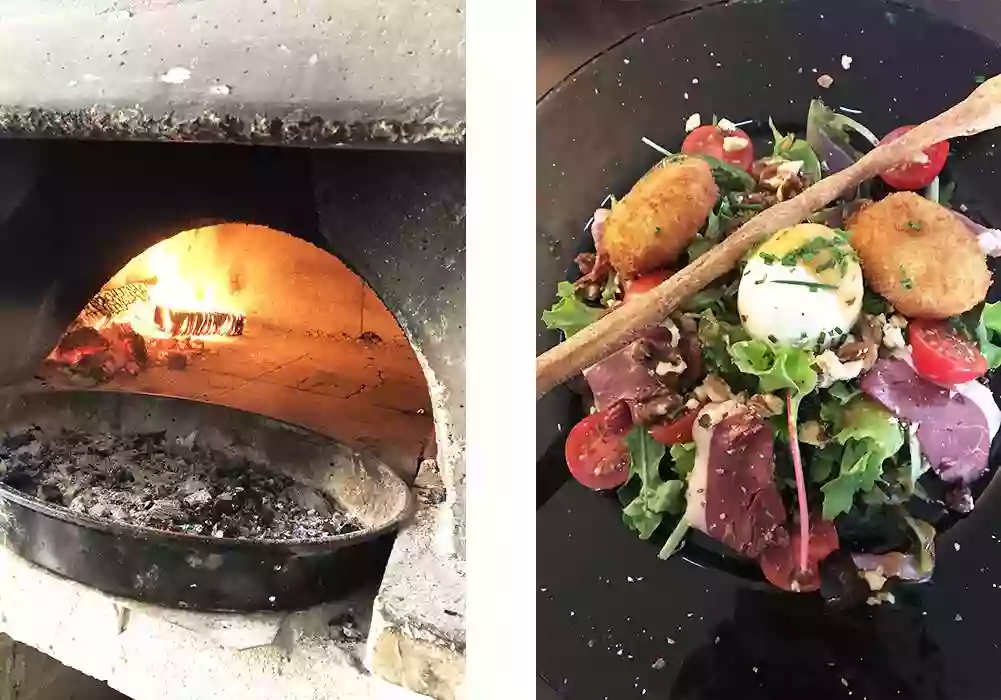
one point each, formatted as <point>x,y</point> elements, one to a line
<point>774,340</point>
<point>838,330</point>
<point>905,281</point>
<point>978,79</point>
<point>812,285</point>
<point>915,225</point>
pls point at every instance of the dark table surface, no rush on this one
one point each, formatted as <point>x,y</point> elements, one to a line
<point>615,622</point>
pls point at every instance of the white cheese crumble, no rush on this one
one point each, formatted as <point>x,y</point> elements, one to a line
<point>726,125</point>
<point>693,122</point>
<point>825,81</point>
<point>734,143</point>
<point>665,368</point>
<point>846,61</point>
<point>832,369</point>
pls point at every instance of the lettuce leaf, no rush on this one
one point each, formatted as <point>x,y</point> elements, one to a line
<point>569,314</point>
<point>777,367</point>
<point>788,147</point>
<point>988,330</point>
<point>656,496</point>
<point>870,435</point>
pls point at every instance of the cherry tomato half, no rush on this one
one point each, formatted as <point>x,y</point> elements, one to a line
<point>676,431</point>
<point>780,566</point>
<point>942,355</point>
<point>733,147</point>
<point>644,283</point>
<point>596,453</point>
<point>915,175</point>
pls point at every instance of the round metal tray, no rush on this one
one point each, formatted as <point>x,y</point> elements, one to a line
<point>193,571</point>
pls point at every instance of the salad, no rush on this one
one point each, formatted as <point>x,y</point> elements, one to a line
<point>820,408</point>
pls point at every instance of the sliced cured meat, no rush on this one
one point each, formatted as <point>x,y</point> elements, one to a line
<point>649,374</point>
<point>735,499</point>
<point>952,429</point>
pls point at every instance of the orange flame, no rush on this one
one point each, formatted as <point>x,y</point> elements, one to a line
<point>182,273</point>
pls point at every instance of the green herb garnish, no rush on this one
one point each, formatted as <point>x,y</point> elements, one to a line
<point>905,281</point>
<point>914,225</point>
<point>813,286</point>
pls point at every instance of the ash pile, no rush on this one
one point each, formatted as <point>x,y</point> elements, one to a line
<point>148,480</point>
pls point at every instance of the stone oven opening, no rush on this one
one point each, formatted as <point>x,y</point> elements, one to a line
<point>252,318</point>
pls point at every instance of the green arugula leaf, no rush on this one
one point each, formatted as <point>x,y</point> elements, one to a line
<point>989,330</point>
<point>728,177</point>
<point>874,304</point>
<point>789,147</point>
<point>719,222</point>
<point>715,336</point>
<point>843,392</point>
<point>777,367</point>
<point>946,193</point>
<point>683,458</point>
<point>870,436</point>
<point>569,314</point>
<point>656,496</point>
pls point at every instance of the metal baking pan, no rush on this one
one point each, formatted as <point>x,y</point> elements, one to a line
<point>194,571</point>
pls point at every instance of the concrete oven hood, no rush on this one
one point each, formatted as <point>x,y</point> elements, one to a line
<point>311,72</point>
<point>315,73</point>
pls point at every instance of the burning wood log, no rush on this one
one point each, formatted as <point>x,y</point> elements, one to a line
<point>107,304</point>
<point>189,323</point>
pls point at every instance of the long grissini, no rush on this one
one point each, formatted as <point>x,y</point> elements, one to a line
<point>979,112</point>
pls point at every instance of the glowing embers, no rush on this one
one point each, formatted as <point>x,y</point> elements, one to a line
<point>160,309</point>
<point>178,323</point>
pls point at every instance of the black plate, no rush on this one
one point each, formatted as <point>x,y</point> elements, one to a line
<point>906,67</point>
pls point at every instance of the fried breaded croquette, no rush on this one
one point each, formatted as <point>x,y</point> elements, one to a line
<point>919,256</point>
<point>651,226</point>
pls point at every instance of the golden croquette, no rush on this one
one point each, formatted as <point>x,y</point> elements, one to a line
<point>653,224</point>
<point>919,256</point>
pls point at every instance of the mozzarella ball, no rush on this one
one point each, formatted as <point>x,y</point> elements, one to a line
<point>802,287</point>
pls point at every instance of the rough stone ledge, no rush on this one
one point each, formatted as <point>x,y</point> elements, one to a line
<point>295,128</point>
<point>418,636</point>
<point>151,653</point>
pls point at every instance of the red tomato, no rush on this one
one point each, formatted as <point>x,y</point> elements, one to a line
<point>710,140</point>
<point>596,453</point>
<point>914,175</point>
<point>779,563</point>
<point>644,283</point>
<point>942,355</point>
<point>678,430</point>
